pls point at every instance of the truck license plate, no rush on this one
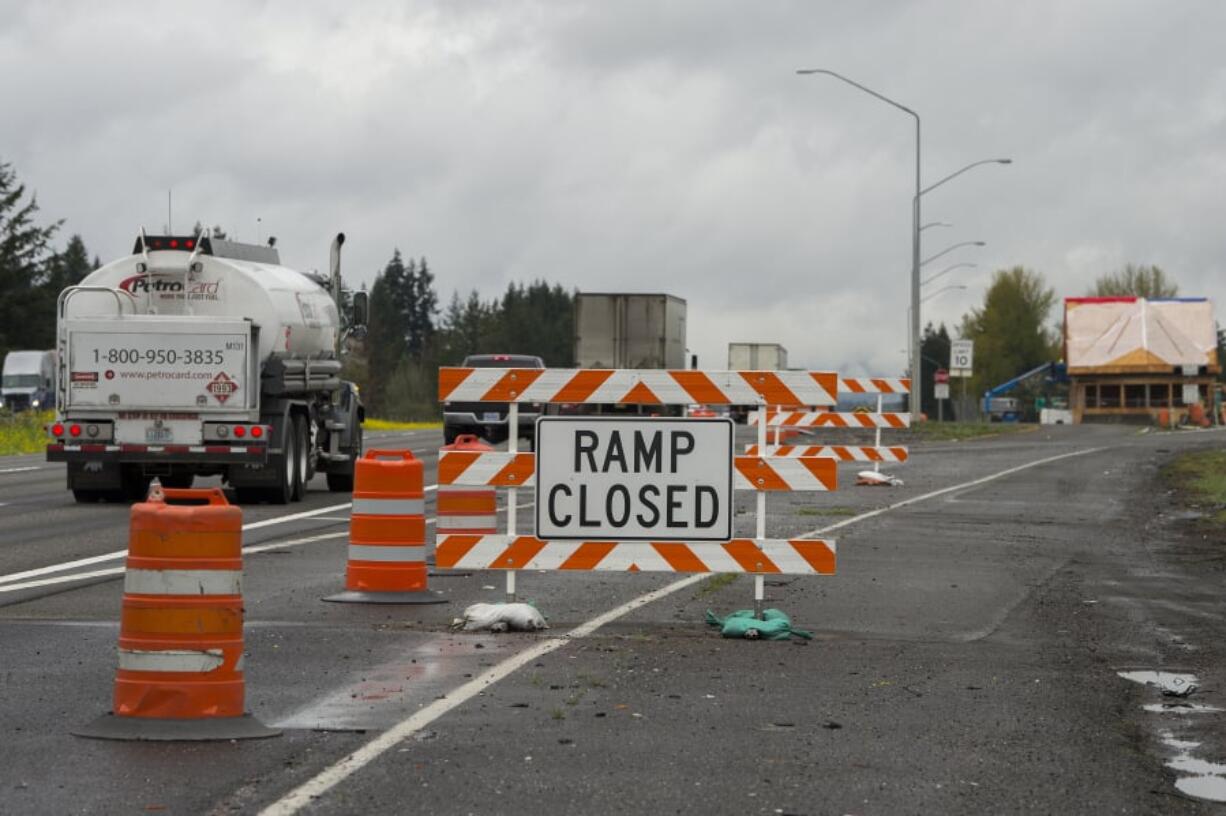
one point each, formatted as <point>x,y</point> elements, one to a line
<point>490,416</point>
<point>155,434</point>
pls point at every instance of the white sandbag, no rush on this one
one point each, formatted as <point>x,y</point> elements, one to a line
<point>872,478</point>
<point>499,617</point>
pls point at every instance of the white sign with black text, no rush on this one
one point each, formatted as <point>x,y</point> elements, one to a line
<point>961,358</point>
<point>613,479</point>
<point>941,391</point>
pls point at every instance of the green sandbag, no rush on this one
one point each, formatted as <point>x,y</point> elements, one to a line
<point>773,625</point>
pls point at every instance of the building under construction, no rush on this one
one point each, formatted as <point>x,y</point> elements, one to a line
<point>1130,357</point>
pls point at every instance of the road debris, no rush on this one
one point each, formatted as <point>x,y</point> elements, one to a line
<point>500,617</point>
<point>872,478</point>
<point>773,625</point>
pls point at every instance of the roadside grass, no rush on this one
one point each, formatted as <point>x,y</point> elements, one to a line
<point>824,511</point>
<point>714,583</point>
<point>958,431</point>
<point>23,432</point>
<point>1200,478</point>
<point>373,424</point>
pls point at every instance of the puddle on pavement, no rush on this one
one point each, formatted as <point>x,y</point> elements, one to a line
<point>1180,708</point>
<point>384,694</point>
<point>1207,779</point>
<point>1203,779</point>
<point>1169,682</point>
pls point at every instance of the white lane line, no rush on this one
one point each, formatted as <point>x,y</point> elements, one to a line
<point>327,779</point>
<point>111,556</point>
<point>19,469</point>
<point>314,788</point>
<point>944,490</point>
<point>82,576</point>
<point>256,548</point>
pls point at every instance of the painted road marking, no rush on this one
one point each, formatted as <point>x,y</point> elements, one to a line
<point>82,576</point>
<point>330,777</point>
<point>111,556</point>
<point>110,571</point>
<point>944,490</point>
<point>20,469</point>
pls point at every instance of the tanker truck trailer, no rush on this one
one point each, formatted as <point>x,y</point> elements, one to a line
<point>196,356</point>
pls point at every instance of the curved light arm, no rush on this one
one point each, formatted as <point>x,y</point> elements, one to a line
<point>934,224</point>
<point>948,250</point>
<point>853,83</point>
<point>944,289</point>
<point>947,269</point>
<point>957,173</point>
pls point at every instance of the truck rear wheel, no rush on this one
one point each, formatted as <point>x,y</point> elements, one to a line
<point>302,444</point>
<point>88,496</point>
<point>286,468</point>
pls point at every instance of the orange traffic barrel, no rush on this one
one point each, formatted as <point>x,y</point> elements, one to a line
<point>387,532</point>
<point>466,509</point>
<point>180,671</point>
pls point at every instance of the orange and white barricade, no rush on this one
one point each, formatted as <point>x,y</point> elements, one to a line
<point>761,473</point>
<point>180,671</point>
<point>387,532</point>
<point>816,418</point>
<point>469,507</point>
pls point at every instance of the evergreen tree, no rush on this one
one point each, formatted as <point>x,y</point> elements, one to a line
<point>23,264</point>
<point>420,307</point>
<point>934,351</point>
<point>385,333</point>
<point>68,268</point>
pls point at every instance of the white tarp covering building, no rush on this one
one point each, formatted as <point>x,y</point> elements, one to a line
<point>1135,335</point>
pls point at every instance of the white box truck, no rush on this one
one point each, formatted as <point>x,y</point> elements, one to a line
<point>754,357</point>
<point>626,330</point>
<point>195,356</point>
<point>757,357</point>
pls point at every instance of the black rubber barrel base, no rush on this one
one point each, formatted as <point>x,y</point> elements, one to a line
<point>423,597</point>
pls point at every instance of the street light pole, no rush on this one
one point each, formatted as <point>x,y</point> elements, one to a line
<point>913,333</point>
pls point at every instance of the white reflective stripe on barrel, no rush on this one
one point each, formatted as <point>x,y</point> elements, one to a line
<point>389,507</point>
<point>467,522</point>
<point>183,582</point>
<point>406,553</point>
<point>171,660</point>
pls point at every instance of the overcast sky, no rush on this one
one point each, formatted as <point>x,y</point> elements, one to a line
<point>644,146</point>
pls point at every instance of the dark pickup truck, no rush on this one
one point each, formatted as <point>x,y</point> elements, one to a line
<point>489,419</point>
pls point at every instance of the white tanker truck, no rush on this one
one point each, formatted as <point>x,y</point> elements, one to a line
<point>196,356</point>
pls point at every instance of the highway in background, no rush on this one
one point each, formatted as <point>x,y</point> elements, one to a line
<point>965,659</point>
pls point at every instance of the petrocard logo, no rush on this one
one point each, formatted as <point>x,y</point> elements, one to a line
<point>170,285</point>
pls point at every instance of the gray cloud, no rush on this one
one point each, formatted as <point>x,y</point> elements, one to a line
<point>644,146</point>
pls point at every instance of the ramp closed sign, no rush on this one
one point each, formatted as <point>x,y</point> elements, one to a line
<point>633,479</point>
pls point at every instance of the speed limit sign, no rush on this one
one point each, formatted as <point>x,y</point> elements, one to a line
<point>961,358</point>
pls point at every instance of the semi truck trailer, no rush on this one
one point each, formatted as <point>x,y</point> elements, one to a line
<point>616,330</point>
<point>27,382</point>
<point>196,356</point>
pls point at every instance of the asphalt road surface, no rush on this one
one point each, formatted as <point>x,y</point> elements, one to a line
<point>966,658</point>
